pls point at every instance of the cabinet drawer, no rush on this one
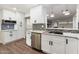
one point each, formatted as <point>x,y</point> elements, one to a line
<point>28,34</point>
<point>46,37</point>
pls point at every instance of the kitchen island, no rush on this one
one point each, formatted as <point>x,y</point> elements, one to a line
<point>66,43</point>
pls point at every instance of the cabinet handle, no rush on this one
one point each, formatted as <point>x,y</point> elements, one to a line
<point>66,41</point>
<point>51,43</point>
<point>11,35</point>
<point>30,37</point>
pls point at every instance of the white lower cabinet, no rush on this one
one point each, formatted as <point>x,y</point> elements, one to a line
<point>53,44</point>
<point>28,38</point>
<point>71,46</point>
<point>78,46</point>
<point>45,43</point>
<point>7,37</point>
<point>59,44</point>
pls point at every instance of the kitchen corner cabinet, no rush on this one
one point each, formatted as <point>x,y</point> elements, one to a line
<point>59,44</point>
<point>71,46</point>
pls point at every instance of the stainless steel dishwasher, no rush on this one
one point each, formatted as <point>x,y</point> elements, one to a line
<point>36,40</point>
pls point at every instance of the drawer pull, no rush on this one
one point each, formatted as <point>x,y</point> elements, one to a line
<point>49,42</point>
<point>66,41</point>
<point>11,35</point>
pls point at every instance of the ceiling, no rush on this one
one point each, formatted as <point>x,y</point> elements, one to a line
<point>57,9</point>
<point>20,7</point>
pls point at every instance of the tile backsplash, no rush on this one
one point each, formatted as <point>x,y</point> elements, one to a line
<point>39,26</point>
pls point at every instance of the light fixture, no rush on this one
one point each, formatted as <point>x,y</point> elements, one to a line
<point>52,15</point>
<point>14,9</point>
<point>66,12</point>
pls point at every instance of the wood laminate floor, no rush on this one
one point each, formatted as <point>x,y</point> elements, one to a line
<point>18,47</point>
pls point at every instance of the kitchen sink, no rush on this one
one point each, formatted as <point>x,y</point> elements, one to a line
<point>55,32</point>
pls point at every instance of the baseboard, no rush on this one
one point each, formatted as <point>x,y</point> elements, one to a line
<point>28,45</point>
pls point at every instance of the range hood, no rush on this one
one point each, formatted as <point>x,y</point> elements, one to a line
<point>8,22</point>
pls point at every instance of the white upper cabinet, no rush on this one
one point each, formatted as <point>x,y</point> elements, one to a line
<point>37,14</point>
<point>8,15</point>
<point>20,20</point>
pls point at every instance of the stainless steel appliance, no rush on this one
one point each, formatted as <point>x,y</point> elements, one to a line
<point>7,24</point>
<point>36,40</point>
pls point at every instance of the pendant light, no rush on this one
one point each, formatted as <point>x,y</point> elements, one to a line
<point>66,12</point>
<point>52,15</point>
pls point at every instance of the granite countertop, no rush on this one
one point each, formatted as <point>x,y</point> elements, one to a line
<point>38,31</point>
<point>70,35</point>
<point>63,30</point>
<point>7,30</point>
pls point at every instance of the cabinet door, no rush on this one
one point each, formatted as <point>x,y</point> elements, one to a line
<point>45,43</point>
<point>46,46</point>
<point>28,24</point>
<point>58,45</point>
<point>71,46</point>
<point>33,40</point>
<point>8,37</point>
<point>9,14</point>
<point>28,38</point>
<point>78,46</point>
<point>37,15</point>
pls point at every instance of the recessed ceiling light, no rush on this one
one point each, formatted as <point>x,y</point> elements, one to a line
<point>52,15</point>
<point>14,9</point>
